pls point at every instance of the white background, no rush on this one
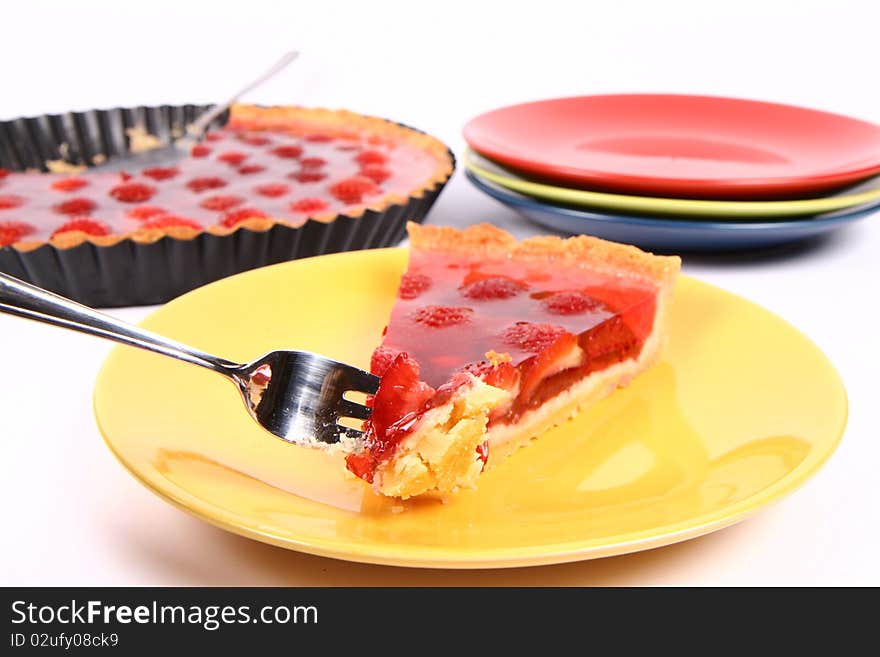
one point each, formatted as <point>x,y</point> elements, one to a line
<point>72,515</point>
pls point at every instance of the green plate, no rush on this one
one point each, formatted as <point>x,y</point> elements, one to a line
<point>864,192</point>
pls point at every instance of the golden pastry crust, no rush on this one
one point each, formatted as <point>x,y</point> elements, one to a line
<point>488,241</point>
<point>293,120</point>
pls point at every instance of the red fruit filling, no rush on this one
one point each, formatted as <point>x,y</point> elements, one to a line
<point>552,339</point>
<point>272,190</point>
<point>172,221</point>
<point>8,201</point>
<point>569,303</point>
<point>270,165</point>
<point>143,212</point>
<point>288,151</point>
<point>250,169</point>
<point>221,203</point>
<point>133,192</point>
<point>496,287</point>
<point>75,206</point>
<point>412,285</point>
<point>307,175</point>
<point>69,184</point>
<point>206,182</point>
<point>13,231</point>
<point>375,172</point>
<point>255,140</point>
<point>309,205</point>
<point>382,358</point>
<point>371,156</point>
<point>232,157</point>
<point>234,217</point>
<point>161,173</point>
<point>84,225</point>
<point>526,336</point>
<point>397,405</point>
<point>442,316</point>
<point>352,190</point>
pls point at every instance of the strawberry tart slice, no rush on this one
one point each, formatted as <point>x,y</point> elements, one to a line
<point>493,341</point>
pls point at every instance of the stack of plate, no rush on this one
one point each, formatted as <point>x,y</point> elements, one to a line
<point>680,173</point>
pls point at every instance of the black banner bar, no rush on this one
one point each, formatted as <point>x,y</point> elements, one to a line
<point>130,620</point>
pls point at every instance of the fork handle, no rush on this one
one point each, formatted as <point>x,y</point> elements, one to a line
<point>32,302</point>
<point>201,124</point>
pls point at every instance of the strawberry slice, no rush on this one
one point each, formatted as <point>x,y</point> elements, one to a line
<point>250,169</point>
<point>570,303</point>
<point>272,190</point>
<point>309,205</point>
<point>307,175</point>
<point>287,151</point>
<point>494,287</point>
<point>172,221</point>
<point>232,157</point>
<point>75,206</point>
<point>206,182</point>
<point>132,192</point>
<point>144,212</point>
<point>362,465</point>
<point>382,359</point>
<point>561,354</point>
<point>398,402</point>
<point>234,217</point>
<point>501,375</point>
<point>85,225</point>
<point>13,231</point>
<point>353,189</point>
<point>375,172</point>
<point>412,284</point>
<point>532,337</point>
<point>70,184</point>
<point>255,140</point>
<point>636,306</point>
<point>221,203</point>
<point>8,201</point>
<point>161,173</point>
<point>442,316</point>
<point>371,156</point>
<point>610,342</point>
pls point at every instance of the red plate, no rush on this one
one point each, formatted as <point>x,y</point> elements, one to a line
<point>680,146</point>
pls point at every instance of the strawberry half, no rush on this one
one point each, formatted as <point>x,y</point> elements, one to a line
<point>172,221</point>
<point>69,184</point>
<point>13,231</point>
<point>309,205</point>
<point>234,217</point>
<point>560,354</point>
<point>85,225</point>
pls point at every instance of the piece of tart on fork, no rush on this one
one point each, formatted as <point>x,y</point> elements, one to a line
<point>493,341</point>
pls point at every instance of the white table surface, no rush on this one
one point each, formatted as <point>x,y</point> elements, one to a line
<point>72,515</point>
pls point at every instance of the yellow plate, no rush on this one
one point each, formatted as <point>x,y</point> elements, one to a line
<point>741,410</point>
<point>865,192</point>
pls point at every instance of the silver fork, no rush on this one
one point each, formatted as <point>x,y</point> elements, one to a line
<point>179,148</point>
<point>295,395</point>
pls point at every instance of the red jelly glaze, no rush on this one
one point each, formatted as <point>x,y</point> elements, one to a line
<point>451,312</point>
<point>289,176</point>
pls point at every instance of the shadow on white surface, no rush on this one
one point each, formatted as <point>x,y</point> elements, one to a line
<point>201,555</point>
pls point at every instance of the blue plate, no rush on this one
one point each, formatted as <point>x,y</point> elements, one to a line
<point>667,234</point>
